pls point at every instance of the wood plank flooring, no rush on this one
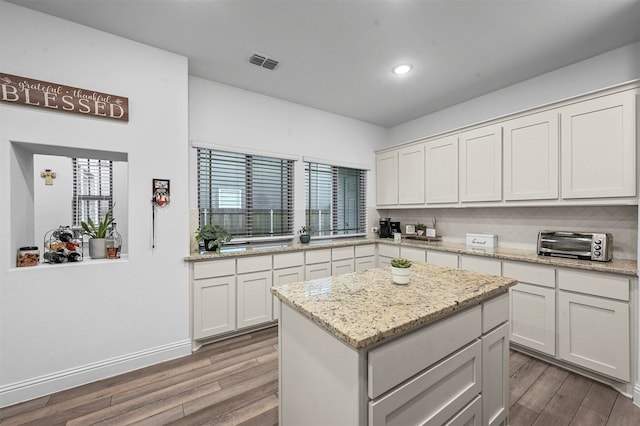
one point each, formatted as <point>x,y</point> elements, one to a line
<point>235,382</point>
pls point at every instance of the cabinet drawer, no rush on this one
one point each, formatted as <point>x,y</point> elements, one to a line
<point>342,267</point>
<point>288,260</point>
<point>614,287</point>
<point>481,264</point>
<point>471,415</point>
<point>495,311</point>
<point>318,256</point>
<point>398,360</point>
<point>388,251</point>
<point>434,396</point>
<point>364,251</point>
<point>449,260</point>
<point>214,268</point>
<point>531,274</point>
<point>413,254</point>
<point>341,253</point>
<point>254,264</point>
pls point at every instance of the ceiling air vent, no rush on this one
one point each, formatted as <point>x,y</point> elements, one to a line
<point>262,61</point>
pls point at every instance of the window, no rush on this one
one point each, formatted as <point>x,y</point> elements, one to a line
<point>335,199</point>
<point>249,195</point>
<point>92,189</point>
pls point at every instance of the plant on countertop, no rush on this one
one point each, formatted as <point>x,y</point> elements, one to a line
<point>98,230</point>
<point>214,236</point>
<point>400,263</point>
<point>305,234</point>
<point>304,230</point>
<point>420,227</point>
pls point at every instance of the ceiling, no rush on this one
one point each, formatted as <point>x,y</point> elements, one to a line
<point>337,55</point>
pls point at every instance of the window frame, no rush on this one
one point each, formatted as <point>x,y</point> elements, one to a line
<point>104,170</point>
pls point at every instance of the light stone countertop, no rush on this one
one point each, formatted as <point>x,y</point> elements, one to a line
<point>616,266</point>
<point>364,308</point>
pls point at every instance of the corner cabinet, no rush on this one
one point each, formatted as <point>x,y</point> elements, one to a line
<point>387,178</point>
<point>599,147</point>
<point>481,164</point>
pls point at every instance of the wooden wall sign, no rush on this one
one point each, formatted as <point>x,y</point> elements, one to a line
<point>43,94</point>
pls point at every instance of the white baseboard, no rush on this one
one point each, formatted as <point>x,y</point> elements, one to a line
<point>39,386</point>
<point>636,394</point>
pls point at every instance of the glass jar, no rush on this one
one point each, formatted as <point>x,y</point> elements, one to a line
<point>28,256</point>
<point>114,243</point>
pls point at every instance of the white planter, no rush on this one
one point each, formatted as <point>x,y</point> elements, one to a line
<point>98,248</point>
<point>400,275</point>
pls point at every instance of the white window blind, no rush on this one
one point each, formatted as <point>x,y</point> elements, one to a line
<point>249,195</point>
<point>92,189</point>
<point>335,199</point>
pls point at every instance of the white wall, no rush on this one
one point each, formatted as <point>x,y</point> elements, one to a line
<point>224,115</point>
<point>617,66</point>
<point>62,325</point>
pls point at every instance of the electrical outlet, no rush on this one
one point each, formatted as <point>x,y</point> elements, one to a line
<point>374,229</point>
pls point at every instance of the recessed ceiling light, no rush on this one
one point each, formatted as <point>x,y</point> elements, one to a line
<point>402,69</point>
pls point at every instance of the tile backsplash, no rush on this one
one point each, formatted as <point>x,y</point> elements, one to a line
<point>517,227</point>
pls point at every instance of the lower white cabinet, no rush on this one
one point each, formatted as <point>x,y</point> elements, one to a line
<point>495,376</point>
<point>317,270</point>
<point>364,263</point>
<point>343,266</point>
<point>413,254</point>
<point>214,306</point>
<point>594,333</point>
<point>290,275</point>
<point>484,265</point>
<point>533,317</point>
<point>440,258</point>
<point>386,253</point>
<point>254,298</point>
<point>471,415</point>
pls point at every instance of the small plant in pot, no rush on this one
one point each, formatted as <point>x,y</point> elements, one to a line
<point>214,237</point>
<point>421,228</point>
<point>400,269</point>
<point>97,233</point>
<point>305,235</point>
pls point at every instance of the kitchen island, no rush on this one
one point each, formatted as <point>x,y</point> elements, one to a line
<point>356,349</point>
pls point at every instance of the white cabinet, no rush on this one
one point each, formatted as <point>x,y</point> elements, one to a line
<point>441,170</point>
<point>530,161</point>
<point>599,147</point>
<point>484,265</point>
<point>495,376</point>
<point>594,331</point>
<point>387,178</point>
<point>214,298</point>
<point>411,174</point>
<point>287,268</point>
<point>441,258</point>
<point>365,257</point>
<point>254,279</point>
<point>413,254</point>
<point>342,260</point>
<point>386,253</point>
<point>317,264</point>
<point>533,306</point>
<point>481,164</point>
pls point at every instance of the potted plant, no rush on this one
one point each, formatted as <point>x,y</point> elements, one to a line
<point>421,228</point>
<point>97,233</point>
<point>214,237</point>
<point>400,269</point>
<point>305,235</point>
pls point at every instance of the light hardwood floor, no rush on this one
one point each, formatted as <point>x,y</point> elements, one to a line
<point>235,382</point>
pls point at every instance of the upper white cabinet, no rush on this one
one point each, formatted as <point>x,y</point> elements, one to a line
<point>387,178</point>
<point>598,147</point>
<point>481,164</point>
<point>530,161</point>
<point>411,174</point>
<point>441,170</point>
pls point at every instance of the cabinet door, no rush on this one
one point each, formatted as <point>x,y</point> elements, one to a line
<point>214,306</point>
<point>317,270</point>
<point>495,376</point>
<point>387,178</point>
<point>384,261</point>
<point>450,260</point>
<point>413,254</point>
<point>285,276</point>
<point>411,174</point>
<point>341,267</point>
<point>481,164</point>
<point>484,265</point>
<point>364,263</point>
<point>471,415</point>
<point>599,147</point>
<point>441,170</point>
<point>254,298</point>
<point>594,333</point>
<point>533,317</point>
<point>531,157</point>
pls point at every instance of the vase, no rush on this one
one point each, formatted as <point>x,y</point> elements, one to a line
<point>305,238</point>
<point>400,275</point>
<point>98,248</point>
<point>214,247</point>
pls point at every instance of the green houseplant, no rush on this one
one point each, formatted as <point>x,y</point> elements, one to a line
<point>97,233</point>
<point>421,228</point>
<point>400,269</point>
<point>214,237</point>
<point>305,235</point>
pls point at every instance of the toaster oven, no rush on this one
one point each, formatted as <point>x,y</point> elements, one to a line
<point>576,245</point>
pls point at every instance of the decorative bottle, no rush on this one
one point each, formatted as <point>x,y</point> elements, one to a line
<point>114,243</point>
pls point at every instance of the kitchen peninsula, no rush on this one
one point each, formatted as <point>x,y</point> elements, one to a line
<point>357,349</point>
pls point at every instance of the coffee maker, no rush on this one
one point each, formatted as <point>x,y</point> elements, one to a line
<point>395,227</point>
<point>384,229</point>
